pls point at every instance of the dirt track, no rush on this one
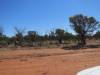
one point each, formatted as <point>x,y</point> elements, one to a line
<point>47,61</point>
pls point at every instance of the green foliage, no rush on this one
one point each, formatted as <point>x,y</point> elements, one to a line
<point>32,35</point>
<point>52,35</point>
<point>83,26</point>
<point>59,34</point>
<point>97,35</point>
<point>4,41</point>
<point>68,36</point>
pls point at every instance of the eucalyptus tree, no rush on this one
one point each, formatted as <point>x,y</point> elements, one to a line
<point>59,34</point>
<point>83,26</point>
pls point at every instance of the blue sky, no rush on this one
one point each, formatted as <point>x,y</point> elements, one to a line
<point>43,15</point>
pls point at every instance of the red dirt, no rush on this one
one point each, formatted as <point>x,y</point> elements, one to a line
<point>47,61</point>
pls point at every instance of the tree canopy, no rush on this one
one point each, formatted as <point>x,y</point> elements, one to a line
<point>83,25</point>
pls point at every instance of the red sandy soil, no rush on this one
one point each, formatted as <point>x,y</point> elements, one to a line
<point>47,61</point>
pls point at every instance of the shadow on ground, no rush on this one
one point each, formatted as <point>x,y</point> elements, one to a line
<point>77,47</point>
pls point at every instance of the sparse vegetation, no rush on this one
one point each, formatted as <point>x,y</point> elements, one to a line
<point>83,26</point>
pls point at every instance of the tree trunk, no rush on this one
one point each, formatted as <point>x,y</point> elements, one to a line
<point>83,40</point>
<point>60,40</point>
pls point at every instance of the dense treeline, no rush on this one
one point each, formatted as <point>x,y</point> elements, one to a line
<point>83,26</point>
